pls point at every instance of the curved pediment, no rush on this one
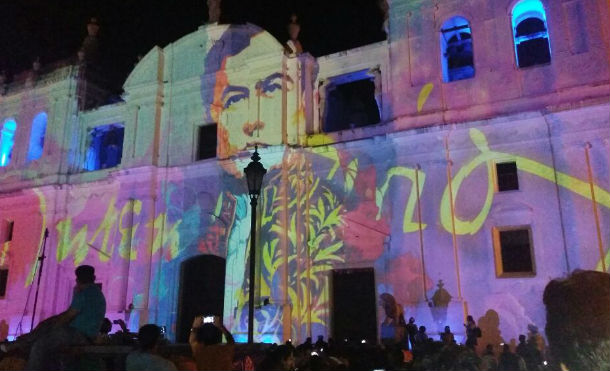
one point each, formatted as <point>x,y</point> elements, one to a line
<point>146,71</point>
<point>203,51</point>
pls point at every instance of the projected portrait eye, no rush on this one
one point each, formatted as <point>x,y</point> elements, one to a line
<point>247,101</point>
<point>273,83</point>
<point>234,94</point>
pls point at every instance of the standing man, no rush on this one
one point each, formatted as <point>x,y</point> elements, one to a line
<point>472,332</point>
<point>77,325</point>
<point>411,331</point>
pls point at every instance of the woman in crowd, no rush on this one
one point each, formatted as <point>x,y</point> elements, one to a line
<point>207,347</point>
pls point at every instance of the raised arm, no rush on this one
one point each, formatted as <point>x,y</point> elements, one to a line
<point>224,330</point>
<point>197,322</point>
<point>227,334</point>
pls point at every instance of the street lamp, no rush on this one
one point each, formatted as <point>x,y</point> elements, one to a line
<point>255,171</point>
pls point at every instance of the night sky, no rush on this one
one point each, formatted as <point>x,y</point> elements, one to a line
<point>54,30</point>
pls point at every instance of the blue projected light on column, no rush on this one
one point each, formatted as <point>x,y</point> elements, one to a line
<point>39,128</point>
<point>7,141</point>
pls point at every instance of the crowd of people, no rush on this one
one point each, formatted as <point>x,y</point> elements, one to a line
<point>404,345</point>
<point>49,345</point>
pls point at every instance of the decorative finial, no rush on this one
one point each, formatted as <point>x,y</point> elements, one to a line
<point>36,64</point>
<point>93,27</point>
<point>255,157</point>
<point>213,11</point>
<point>294,46</point>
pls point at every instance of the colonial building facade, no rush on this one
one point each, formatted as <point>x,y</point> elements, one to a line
<point>458,166</point>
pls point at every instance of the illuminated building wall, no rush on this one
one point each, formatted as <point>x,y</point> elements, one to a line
<point>414,196</point>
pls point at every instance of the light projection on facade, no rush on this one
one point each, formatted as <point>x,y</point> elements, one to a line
<point>415,207</point>
<point>243,106</point>
<point>309,223</point>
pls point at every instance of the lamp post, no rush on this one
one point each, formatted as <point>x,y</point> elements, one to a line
<point>255,171</point>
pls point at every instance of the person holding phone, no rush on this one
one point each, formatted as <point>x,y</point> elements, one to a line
<point>206,344</point>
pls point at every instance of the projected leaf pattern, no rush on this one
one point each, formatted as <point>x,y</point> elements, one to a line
<point>308,225</point>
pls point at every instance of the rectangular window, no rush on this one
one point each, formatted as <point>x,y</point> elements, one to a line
<point>3,282</point>
<point>352,100</point>
<point>10,225</point>
<point>506,173</point>
<point>206,141</point>
<point>105,147</point>
<point>513,252</point>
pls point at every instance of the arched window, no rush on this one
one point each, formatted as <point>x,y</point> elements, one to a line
<point>456,48</point>
<point>530,33</point>
<point>6,141</point>
<point>39,128</point>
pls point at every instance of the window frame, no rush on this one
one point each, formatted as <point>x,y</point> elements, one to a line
<point>5,281</point>
<point>88,144</point>
<point>9,136</point>
<point>443,47</point>
<point>497,178</point>
<point>372,74</point>
<point>36,124</point>
<point>497,247</point>
<point>196,142</point>
<point>513,24</point>
<point>10,229</point>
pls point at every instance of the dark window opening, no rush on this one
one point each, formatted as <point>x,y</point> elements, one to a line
<point>9,230</point>
<point>530,26</point>
<point>352,101</point>
<point>532,43</point>
<point>3,282</point>
<point>516,252</point>
<point>508,179</point>
<point>530,31</point>
<point>39,127</point>
<point>457,52</point>
<point>105,147</point>
<point>206,142</point>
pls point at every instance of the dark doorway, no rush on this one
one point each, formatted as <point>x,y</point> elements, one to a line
<point>202,288</point>
<point>354,314</point>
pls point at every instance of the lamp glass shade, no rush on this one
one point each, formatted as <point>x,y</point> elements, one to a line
<point>255,171</point>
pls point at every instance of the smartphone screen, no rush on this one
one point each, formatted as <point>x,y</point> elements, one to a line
<point>208,319</point>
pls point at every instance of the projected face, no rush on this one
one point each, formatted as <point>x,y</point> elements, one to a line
<point>247,106</point>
